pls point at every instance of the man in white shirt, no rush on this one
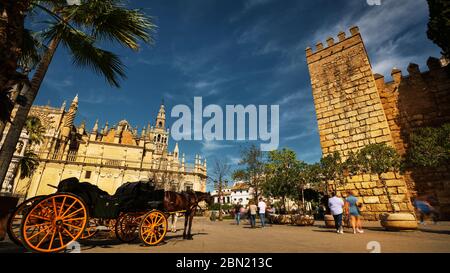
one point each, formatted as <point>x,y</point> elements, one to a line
<point>262,211</point>
<point>336,205</point>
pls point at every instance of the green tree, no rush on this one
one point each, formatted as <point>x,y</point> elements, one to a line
<point>308,178</point>
<point>30,161</point>
<point>429,147</point>
<point>282,174</point>
<point>79,28</point>
<point>252,161</point>
<point>439,24</point>
<point>378,159</point>
<point>332,170</point>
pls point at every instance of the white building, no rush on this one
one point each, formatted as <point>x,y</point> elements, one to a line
<point>239,192</point>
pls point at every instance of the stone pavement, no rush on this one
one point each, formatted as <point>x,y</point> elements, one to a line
<point>226,236</point>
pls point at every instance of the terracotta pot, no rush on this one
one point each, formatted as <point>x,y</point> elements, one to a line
<point>398,221</point>
<point>302,220</point>
<point>285,219</point>
<point>7,205</point>
<point>329,221</point>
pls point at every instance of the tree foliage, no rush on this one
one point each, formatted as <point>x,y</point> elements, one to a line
<point>252,168</point>
<point>439,24</point>
<point>429,147</point>
<point>282,174</point>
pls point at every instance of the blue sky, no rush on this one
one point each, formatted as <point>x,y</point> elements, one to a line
<point>239,52</point>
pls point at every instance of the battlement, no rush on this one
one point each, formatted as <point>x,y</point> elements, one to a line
<point>434,65</point>
<point>332,46</point>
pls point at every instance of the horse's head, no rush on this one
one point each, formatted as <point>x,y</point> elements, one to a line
<point>204,196</point>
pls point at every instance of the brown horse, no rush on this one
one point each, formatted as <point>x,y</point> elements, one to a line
<point>188,202</point>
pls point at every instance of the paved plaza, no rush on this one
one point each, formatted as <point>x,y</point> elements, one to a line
<point>226,236</point>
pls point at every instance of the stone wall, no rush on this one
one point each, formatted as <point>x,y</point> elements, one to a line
<point>416,100</point>
<point>350,115</point>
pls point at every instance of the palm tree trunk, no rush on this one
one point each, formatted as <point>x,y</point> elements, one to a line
<point>9,146</point>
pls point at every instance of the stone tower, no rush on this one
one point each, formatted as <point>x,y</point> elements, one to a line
<point>350,115</point>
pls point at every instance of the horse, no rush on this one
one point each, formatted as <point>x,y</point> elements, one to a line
<point>185,201</point>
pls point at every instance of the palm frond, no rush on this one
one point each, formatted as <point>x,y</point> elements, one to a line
<point>32,50</point>
<point>86,54</point>
<point>111,20</point>
<point>28,164</point>
<point>35,130</point>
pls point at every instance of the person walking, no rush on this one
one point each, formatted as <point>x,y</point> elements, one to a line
<point>336,205</point>
<point>424,208</point>
<point>252,211</point>
<point>237,212</point>
<point>353,211</point>
<point>262,211</point>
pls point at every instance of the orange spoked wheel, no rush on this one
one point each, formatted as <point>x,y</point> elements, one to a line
<point>91,229</point>
<point>153,228</point>
<point>15,219</point>
<point>54,222</point>
<point>127,226</point>
<point>111,224</point>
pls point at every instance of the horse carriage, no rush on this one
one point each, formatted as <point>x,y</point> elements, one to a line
<point>50,223</point>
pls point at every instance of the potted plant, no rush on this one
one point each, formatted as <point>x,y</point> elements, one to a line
<point>308,177</point>
<point>379,159</point>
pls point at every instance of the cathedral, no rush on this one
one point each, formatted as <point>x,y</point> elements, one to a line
<point>106,157</point>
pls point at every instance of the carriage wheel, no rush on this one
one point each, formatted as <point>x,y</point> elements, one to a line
<point>91,229</point>
<point>54,222</point>
<point>127,227</point>
<point>153,228</point>
<point>112,228</point>
<point>15,219</point>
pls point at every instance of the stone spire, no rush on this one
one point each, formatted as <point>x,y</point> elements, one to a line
<point>143,132</point>
<point>95,129</point>
<point>105,129</point>
<point>69,117</point>
<point>63,106</point>
<point>176,151</point>
<point>93,136</point>
<point>82,128</point>
<point>161,118</point>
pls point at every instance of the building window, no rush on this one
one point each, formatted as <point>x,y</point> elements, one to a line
<point>88,174</point>
<point>189,187</point>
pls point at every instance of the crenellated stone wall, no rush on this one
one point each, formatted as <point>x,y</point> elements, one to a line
<point>418,99</point>
<point>350,116</point>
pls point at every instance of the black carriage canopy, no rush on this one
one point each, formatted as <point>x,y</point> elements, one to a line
<point>130,197</point>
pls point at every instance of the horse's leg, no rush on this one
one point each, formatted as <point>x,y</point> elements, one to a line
<point>191,218</point>
<point>186,219</point>
<point>174,222</point>
<point>171,222</point>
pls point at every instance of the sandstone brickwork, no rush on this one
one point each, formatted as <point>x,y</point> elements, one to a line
<point>418,99</point>
<point>350,116</point>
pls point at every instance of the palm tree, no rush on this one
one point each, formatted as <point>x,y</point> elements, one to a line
<point>29,162</point>
<point>79,28</point>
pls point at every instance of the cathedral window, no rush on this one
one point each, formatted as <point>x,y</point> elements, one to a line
<point>88,174</point>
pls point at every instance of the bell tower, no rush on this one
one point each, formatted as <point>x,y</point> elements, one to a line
<point>161,118</point>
